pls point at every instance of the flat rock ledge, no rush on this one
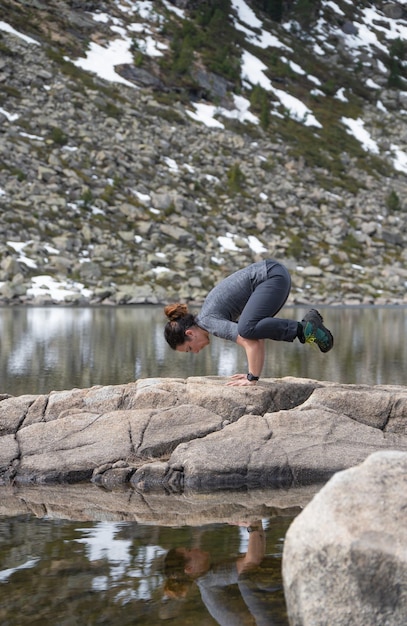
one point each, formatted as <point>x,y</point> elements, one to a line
<point>197,434</point>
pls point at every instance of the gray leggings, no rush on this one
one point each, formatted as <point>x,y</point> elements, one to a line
<point>257,320</point>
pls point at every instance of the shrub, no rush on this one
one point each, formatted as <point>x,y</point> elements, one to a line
<point>393,202</point>
<point>236,178</point>
<point>273,8</point>
<point>58,136</point>
<point>259,100</point>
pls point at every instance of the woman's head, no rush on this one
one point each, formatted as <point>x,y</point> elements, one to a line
<point>181,331</point>
<point>181,567</point>
<point>177,581</point>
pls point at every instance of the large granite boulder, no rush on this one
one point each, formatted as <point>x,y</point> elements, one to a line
<point>198,434</point>
<point>345,555</point>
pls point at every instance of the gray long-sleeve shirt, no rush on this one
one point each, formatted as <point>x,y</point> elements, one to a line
<point>225,302</point>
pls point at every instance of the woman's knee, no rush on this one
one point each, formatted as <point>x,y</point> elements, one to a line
<point>245,330</point>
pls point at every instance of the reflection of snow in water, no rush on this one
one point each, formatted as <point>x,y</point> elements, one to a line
<point>138,368</point>
<point>226,357</point>
<point>54,321</point>
<point>43,327</point>
<point>244,535</point>
<point>101,543</point>
<point>160,348</point>
<point>19,360</point>
<point>6,573</point>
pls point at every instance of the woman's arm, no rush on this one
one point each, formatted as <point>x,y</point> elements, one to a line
<point>256,548</point>
<point>255,352</point>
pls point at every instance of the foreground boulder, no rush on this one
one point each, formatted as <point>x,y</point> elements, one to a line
<point>198,434</point>
<point>345,555</point>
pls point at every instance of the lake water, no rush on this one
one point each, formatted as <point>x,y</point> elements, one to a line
<point>67,572</point>
<point>44,349</point>
<point>60,573</point>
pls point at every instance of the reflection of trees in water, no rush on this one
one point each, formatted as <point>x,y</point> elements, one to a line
<point>113,574</point>
<point>43,349</point>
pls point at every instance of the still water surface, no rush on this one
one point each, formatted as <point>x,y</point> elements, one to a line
<point>65,573</point>
<point>44,349</point>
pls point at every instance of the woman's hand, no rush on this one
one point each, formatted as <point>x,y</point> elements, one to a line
<point>240,380</point>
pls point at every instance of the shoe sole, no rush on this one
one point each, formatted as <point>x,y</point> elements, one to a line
<point>312,337</point>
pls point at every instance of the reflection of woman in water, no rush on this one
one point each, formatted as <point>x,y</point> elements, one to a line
<point>259,601</point>
<point>242,308</point>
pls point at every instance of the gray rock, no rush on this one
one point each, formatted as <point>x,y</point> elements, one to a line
<point>13,412</point>
<point>393,10</point>
<point>296,447</point>
<point>139,76</point>
<point>349,28</point>
<point>384,408</point>
<point>198,434</point>
<point>345,559</point>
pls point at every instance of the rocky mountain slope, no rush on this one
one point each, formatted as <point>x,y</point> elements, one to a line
<point>224,134</point>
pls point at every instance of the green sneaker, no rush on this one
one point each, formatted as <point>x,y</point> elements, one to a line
<point>315,331</point>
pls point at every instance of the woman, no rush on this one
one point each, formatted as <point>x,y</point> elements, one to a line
<point>241,308</point>
<point>240,591</point>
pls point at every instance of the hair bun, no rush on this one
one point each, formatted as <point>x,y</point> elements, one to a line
<point>176,311</point>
